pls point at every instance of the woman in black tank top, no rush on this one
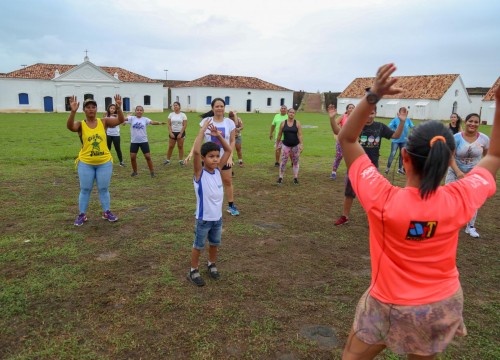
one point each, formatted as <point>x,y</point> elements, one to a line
<point>292,145</point>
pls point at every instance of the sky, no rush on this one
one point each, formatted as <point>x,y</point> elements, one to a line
<point>310,45</point>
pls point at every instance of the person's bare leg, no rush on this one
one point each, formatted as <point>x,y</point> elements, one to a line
<point>171,145</point>
<point>347,206</point>
<point>227,180</point>
<point>133,161</point>
<point>150,162</point>
<point>355,349</point>
<point>180,147</point>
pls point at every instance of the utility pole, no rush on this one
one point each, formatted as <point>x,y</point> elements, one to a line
<point>166,85</point>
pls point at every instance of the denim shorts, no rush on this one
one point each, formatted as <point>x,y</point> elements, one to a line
<point>207,229</point>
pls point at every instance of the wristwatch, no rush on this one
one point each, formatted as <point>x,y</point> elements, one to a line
<point>371,97</point>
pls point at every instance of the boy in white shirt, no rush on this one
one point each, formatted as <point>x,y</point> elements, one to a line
<point>209,192</point>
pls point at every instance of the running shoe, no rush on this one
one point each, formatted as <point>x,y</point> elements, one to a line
<point>280,181</point>
<point>240,163</point>
<point>387,170</point>
<point>341,221</point>
<point>80,219</point>
<point>471,230</point>
<point>108,215</point>
<point>153,175</point>
<point>295,181</point>
<point>122,164</point>
<point>212,271</point>
<point>195,277</point>
<point>401,171</point>
<point>333,176</point>
<point>233,210</point>
<point>133,174</point>
<point>166,162</point>
<point>276,164</point>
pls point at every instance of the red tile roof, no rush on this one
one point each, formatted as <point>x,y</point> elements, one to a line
<point>47,72</point>
<point>490,95</point>
<point>415,87</point>
<point>228,81</point>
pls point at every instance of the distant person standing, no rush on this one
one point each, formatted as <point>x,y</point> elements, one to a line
<point>338,150</point>
<point>237,135</point>
<point>401,142</point>
<point>275,126</point>
<point>177,123</point>
<point>139,139</point>
<point>94,161</point>
<point>471,147</point>
<point>113,134</point>
<point>455,124</point>
<point>293,145</point>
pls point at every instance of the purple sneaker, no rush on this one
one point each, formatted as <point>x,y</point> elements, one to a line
<point>80,219</point>
<point>108,215</point>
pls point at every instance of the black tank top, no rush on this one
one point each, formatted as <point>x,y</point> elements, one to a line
<point>290,134</point>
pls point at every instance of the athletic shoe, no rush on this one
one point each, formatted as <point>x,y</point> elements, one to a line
<point>341,221</point>
<point>212,272</point>
<point>181,162</point>
<point>108,215</point>
<point>232,210</point>
<point>195,277</point>
<point>122,164</point>
<point>333,176</point>
<point>153,175</point>
<point>80,219</point>
<point>295,181</point>
<point>240,163</point>
<point>471,230</point>
<point>387,170</point>
<point>133,174</point>
<point>166,162</point>
<point>280,181</point>
<point>401,171</point>
<point>276,164</point>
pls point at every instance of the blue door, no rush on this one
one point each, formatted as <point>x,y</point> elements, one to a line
<point>48,104</point>
<point>126,104</point>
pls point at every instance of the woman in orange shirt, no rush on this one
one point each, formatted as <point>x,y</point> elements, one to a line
<point>414,303</point>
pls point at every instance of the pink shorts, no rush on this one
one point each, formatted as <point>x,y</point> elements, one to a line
<point>421,330</point>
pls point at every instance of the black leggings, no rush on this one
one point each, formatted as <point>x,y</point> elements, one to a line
<point>116,142</point>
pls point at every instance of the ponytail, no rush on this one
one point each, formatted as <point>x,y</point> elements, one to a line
<point>430,147</point>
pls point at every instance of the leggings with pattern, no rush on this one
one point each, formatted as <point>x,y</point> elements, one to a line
<point>285,154</point>
<point>338,157</point>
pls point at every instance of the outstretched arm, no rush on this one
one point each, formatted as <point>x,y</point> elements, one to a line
<point>348,136</point>
<point>332,113</point>
<point>196,151</point>
<point>113,121</point>
<point>71,124</point>
<point>491,161</point>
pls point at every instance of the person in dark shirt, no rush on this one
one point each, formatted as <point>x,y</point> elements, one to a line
<point>292,145</point>
<point>370,139</point>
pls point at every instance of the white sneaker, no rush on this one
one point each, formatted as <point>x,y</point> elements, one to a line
<point>472,231</point>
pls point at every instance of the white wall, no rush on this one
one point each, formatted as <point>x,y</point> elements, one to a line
<point>38,89</point>
<point>488,111</point>
<point>432,110</point>
<point>238,98</point>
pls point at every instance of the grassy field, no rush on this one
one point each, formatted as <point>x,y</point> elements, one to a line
<point>290,279</point>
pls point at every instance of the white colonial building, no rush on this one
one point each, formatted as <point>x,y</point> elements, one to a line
<point>488,105</point>
<point>427,97</point>
<point>241,94</point>
<point>48,87</point>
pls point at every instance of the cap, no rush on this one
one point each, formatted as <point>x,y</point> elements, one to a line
<point>89,101</point>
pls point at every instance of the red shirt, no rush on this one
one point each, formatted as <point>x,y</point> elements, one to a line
<point>413,242</point>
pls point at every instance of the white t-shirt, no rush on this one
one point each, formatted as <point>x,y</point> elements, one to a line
<point>177,121</point>
<point>138,132</point>
<point>225,127</point>
<point>209,192</point>
<point>113,131</point>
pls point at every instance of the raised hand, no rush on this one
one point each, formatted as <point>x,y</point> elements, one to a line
<point>384,83</point>
<point>73,103</point>
<point>213,130</point>
<point>332,111</point>
<point>118,101</point>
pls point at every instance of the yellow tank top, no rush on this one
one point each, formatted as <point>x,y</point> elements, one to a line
<point>94,149</point>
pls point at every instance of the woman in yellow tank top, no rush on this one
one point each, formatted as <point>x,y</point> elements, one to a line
<point>95,162</point>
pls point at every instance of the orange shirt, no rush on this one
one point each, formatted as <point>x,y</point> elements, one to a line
<point>413,242</point>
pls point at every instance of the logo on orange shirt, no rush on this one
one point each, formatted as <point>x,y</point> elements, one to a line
<point>421,230</point>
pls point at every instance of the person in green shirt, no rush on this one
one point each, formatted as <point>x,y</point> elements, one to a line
<point>275,126</point>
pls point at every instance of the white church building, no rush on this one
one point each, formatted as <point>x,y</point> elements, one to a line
<point>240,93</point>
<point>488,106</point>
<point>48,87</point>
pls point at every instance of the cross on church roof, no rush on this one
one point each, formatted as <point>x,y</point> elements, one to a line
<point>86,55</point>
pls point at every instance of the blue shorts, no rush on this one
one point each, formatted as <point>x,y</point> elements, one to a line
<point>207,229</point>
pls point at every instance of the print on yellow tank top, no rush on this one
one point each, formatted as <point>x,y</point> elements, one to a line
<point>94,149</point>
